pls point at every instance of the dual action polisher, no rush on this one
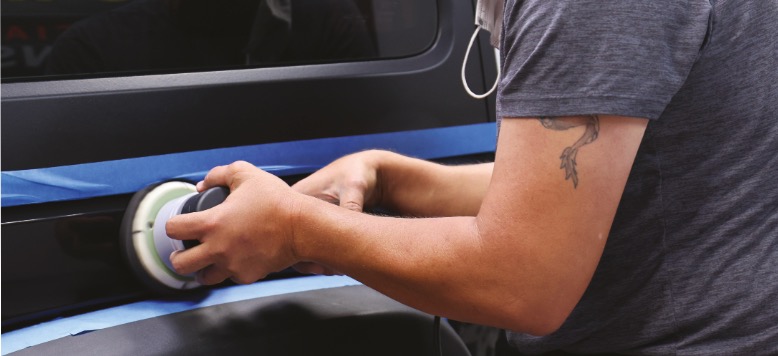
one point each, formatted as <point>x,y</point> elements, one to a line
<point>144,241</point>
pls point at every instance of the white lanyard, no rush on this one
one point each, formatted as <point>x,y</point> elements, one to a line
<point>488,15</point>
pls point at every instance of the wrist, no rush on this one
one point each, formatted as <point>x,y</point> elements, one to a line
<point>381,163</point>
<point>295,209</point>
<point>319,230</point>
<point>396,175</point>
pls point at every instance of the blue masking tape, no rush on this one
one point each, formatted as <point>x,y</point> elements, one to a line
<point>101,319</point>
<point>89,180</point>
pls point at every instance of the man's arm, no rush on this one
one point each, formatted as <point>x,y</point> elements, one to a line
<point>425,189</point>
<point>401,184</point>
<point>522,263</point>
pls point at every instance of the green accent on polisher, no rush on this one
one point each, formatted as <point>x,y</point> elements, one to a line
<point>149,231</point>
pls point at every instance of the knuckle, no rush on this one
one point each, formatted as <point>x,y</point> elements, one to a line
<point>233,270</point>
<point>352,205</point>
<point>178,266</point>
<point>241,279</point>
<point>205,277</point>
<point>356,184</point>
<point>211,277</point>
<point>239,166</point>
<point>217,253</point>
<point>211,222</point>
<point>213,252</point>
<point>329,197</point>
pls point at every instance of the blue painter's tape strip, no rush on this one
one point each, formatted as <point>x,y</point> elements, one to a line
<point>59,328</point>
<point>89,180</point>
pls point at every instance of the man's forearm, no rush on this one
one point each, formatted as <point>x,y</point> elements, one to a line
<point>438,265</point>
<point>416,187</point>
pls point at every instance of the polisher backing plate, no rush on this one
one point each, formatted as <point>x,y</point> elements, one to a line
<point>137,233</point>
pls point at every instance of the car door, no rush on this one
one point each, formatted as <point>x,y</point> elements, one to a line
<point>103,98</point>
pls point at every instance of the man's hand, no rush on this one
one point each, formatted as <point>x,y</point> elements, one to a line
<point>402,185</point>
<point>350,182</point>
<point>246,237</point>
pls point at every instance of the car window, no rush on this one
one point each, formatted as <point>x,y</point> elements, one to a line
<point>62,39</point>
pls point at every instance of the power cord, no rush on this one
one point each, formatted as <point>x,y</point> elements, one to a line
<point>437,350</point>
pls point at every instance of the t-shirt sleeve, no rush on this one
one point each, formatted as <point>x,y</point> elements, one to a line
<point>610,57</point>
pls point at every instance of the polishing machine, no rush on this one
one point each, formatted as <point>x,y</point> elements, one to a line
<point>145,243</point>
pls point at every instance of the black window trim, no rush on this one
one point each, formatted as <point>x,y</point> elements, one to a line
<point>436,53</point>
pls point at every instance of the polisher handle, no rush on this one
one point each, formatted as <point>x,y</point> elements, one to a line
<point>203,201</point>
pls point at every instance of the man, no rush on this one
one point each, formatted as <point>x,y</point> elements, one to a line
<point>631,207</point>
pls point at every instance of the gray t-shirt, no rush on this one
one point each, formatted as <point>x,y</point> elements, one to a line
<point>691,264</point>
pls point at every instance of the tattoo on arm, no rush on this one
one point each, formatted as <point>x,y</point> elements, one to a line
<point>568,157</point>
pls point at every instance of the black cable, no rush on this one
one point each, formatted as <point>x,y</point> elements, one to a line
<point>436,349</point>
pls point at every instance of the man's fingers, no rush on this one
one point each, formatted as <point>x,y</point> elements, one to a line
<point>225,176</point>
<point>352,199</point>
<point>191,260</point>
<point>212,275</point>
<point>213,178</point>
<point>186,226</point>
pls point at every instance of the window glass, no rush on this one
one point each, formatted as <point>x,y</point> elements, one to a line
<point>57,39</point>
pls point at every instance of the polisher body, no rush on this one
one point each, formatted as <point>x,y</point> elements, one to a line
<point>146,245</point>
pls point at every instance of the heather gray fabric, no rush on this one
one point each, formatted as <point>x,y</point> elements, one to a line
<point>691,265</point>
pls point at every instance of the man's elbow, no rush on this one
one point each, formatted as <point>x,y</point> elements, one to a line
<point>542,326</point>
<point>539,319</point>
<point>549,323</point>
